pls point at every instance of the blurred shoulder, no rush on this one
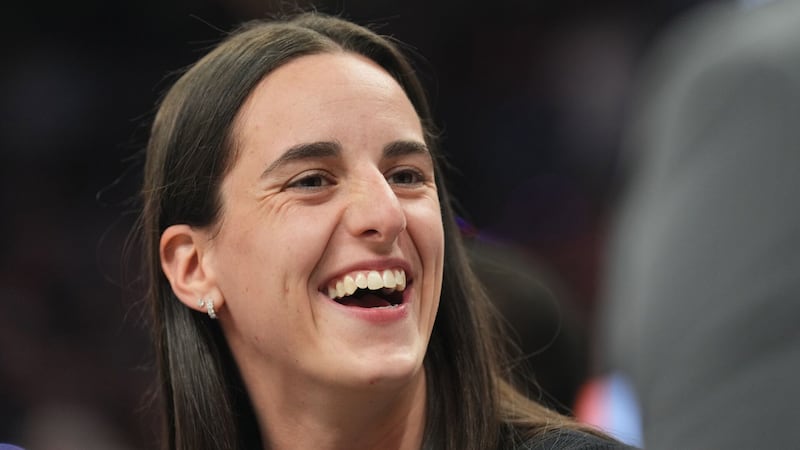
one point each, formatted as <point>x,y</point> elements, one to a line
<point>570,440</point>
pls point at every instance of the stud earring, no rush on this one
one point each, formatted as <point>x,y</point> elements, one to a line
<point>209,304</point>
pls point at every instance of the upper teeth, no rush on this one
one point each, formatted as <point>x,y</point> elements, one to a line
<point>391,280</point>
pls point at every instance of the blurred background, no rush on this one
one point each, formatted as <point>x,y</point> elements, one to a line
<point>530,95</point>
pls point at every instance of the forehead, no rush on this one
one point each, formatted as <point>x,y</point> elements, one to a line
<point>321,92</point>
<point>330,69</point>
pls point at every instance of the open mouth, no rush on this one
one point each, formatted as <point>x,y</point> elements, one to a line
<point>370,289</point>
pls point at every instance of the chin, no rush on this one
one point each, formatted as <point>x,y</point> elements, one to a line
<point>389,369</point>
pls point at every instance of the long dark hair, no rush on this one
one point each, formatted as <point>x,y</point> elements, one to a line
<point>191,148</point>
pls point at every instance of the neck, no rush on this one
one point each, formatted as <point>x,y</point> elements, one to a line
<point>367,417</point>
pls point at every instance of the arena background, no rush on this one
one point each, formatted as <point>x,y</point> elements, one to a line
<point>530,95</point>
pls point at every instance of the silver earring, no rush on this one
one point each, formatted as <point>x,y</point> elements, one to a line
<point>209,304</point>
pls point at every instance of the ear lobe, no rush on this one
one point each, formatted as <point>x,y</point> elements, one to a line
<point>181,249</point>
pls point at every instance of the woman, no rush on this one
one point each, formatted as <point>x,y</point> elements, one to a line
<point>308,284</point>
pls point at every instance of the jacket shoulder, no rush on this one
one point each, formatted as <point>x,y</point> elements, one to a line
<point>571,440</point>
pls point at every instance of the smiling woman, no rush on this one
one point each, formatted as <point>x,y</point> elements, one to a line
<point>308,284</point>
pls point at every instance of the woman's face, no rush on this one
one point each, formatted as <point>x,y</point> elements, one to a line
<point>330,207</point>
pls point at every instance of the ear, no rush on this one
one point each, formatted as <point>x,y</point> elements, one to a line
<point>181,249</point>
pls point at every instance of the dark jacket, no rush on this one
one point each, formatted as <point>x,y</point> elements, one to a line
<point>570,440</point>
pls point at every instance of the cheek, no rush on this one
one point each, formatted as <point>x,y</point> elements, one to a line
<point>267,256</point>
<point>264,266</point>
<point>425,225</point>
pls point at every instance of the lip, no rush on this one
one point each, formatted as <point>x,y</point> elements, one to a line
<point>376,315</point>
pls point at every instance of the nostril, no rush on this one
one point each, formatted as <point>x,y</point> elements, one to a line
<point>371,232</point>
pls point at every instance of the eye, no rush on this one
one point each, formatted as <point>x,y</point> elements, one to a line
<point>310,181</point>
<point>406,176</point>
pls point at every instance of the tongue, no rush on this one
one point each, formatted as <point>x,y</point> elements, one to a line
<point>365,301</point>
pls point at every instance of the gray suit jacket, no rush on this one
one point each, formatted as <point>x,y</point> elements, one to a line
<point>703,293</point>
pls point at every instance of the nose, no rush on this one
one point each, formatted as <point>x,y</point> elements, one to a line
<point>374,212</point>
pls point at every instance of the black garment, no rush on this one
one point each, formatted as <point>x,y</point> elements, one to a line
<point>570,440</point>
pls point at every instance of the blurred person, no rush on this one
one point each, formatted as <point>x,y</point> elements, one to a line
<point>542,323</point>
<point>70,426</point>
<point>308,285</point>
<point>705,265</point>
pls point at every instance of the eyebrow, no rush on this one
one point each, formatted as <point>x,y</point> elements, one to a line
<point>403,148</point>
<point>332,149</point>
<point>311,150</point>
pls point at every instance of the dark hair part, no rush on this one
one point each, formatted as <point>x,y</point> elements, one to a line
<point>191,148</point>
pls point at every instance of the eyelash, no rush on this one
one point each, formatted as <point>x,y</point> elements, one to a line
<point>418,176</point>
<point>302,181</point>
<point>319,180</point>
